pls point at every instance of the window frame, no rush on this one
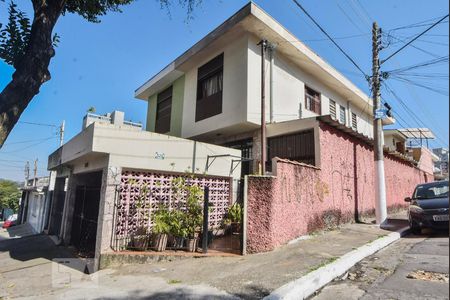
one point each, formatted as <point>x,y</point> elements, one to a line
<point>317,99</point>
<point>212,105</point>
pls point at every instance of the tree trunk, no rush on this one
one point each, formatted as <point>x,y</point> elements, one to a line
<point>32,70</point>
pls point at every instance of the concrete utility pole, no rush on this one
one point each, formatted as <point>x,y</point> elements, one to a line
<point>263,45</point>
<point>35,172</point>
<point>27,173</point>
<point>61,133</point>
<point>380,182</point>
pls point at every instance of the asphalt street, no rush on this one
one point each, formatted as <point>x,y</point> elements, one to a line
<point>415,267</point>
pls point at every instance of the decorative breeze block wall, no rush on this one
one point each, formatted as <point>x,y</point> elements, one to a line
<point>141,193</point>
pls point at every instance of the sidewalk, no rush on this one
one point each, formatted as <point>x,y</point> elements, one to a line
<point>249,277</point>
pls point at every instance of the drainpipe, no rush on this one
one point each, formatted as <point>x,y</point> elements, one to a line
<point>272,58</point>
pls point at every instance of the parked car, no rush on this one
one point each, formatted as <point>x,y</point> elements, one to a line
<point>429,206</point>
<point>11,221</point>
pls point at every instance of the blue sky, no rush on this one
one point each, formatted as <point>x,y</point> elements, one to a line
<point>102,64</point>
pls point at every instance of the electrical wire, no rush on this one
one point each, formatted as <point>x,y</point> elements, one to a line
<point>411,41</point>
<point>418,24</point>
<point>331,39</point>
<point>410,112</point>
<point>433,62</point>
<point>38,124</point>
<point>28,147</point>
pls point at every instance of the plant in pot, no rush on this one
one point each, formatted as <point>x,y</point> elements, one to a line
<point>194,216</point>
<point>139,239</point>
<point>161,228</point>
<point>234,218</point>
<point>177,228</point>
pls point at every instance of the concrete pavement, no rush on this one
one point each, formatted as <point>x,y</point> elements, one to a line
<point>385,275</point>
<point>27,271</point>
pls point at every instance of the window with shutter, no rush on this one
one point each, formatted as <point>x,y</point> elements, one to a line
<point>333,109</point>
<point>354,122</point>
<point>342,115</point>
<point>164,111</point>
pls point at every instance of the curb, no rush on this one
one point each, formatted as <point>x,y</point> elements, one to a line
<point>307,285</point>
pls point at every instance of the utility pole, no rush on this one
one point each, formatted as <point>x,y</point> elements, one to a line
<point>380,181</point>
<point>61,133</point>
<point>27,173</point>
<point>263,45</point>
<point>35,172</point>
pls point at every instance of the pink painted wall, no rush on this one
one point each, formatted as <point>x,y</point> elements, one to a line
<point>301,199</point>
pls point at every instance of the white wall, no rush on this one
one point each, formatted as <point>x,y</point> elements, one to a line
<point>289,92</point>
<point>234,90</point>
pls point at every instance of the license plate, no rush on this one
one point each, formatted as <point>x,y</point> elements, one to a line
<point>440,218</point>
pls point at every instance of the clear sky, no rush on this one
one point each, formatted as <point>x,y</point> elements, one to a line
<point>102,64</point>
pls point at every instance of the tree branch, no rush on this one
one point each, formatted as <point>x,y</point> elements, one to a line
<point>32,70</point>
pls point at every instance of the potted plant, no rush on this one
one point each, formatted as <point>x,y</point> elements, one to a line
<point>139,239</point>
<point>234,218</point>
<point>194,216</point>
<point>161,228</point>
<point>178,229</point>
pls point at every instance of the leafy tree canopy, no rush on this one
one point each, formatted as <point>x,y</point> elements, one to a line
<point>9,195</point>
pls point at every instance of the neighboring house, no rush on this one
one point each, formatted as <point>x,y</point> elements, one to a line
<point>395,140</point>
<point>35,203</point>
<point>441,165</point>
<point>106,171</point>
<point>212,92</point>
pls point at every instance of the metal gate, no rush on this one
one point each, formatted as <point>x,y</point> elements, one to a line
<point>85,219</point>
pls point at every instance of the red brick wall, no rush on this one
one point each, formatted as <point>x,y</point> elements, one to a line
<point>301,199</point>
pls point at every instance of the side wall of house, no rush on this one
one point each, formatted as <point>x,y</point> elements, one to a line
<point>234,90</point>
<point>289,83</point>
<point>176,116</point>
<point>300,199</point>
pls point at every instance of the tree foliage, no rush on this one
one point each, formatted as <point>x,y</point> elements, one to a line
<point>29,46</point>
<point>9,195</point>
<point>14,37</point>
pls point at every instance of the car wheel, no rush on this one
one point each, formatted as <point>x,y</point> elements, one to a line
<point>415,229</point>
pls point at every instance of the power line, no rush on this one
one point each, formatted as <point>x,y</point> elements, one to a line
<point>331,39</point>
<point>437,90</point>
<point>28,147</point>
<point>418,24</point>
<point>27,142</point>
<point>411,41</point>
<point>440,60</point>
<point>411,113</point>
<point>350,19</point>
<point>415,47</point>
<point>38,124</point>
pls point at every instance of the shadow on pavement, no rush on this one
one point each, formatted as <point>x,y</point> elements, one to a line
<point>429,234</point>
<point>26,249</point>
<point>254,292</point>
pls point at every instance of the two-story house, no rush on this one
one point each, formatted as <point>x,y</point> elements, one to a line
<point>212,92</point>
